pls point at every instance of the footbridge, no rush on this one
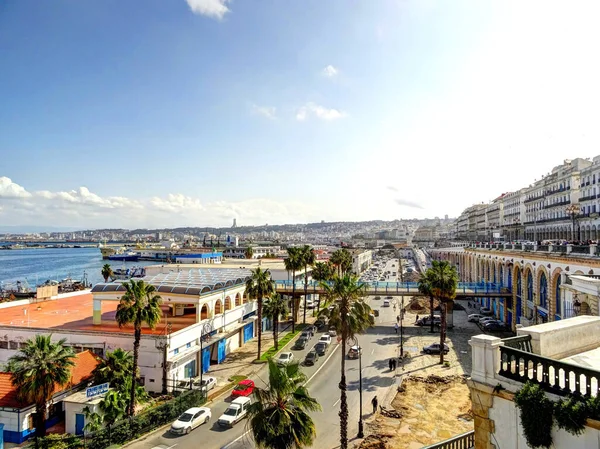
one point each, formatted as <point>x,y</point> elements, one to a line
<point>464,289</point>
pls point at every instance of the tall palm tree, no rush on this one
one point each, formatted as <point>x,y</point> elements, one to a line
<point>308,260</point>
<point>424,286</point>
<point>107,272</point>
<point>37,369</point>
<point>259,286</point>
<point>443,280</point>
<point>115,369</point>
<point>322,271</point>
<point>279,416</point>
<point>292,263</point>
<point>349,315</point>
<point>342,260</point>
<point>249,253</point>
<point>140,304</point>
<point>274,308</point>
<point>336,260</point>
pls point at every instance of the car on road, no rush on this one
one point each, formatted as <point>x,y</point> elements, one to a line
<point>300,343</point>
<point>426,321</point>
<point>244,388</point>
<point>321,323</point>
<point>312,329</point>
<point>285,358</point>
<point>236,411</point>
<point>325,338</point>
<point>306,334</point>
<point>485,311</point>
<point>493,326</point>
<point>321,348</point>
<point>190,419</point>
<point>474,317</point>
<point>311,358</point>
<point>206,384</point>
<point>332,332</point>
<point>435,349</point>
<point>354,352</point>
<point>485,319</point>
<point>386,303</point>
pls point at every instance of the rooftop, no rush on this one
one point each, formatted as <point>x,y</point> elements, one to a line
<point>75,313</point>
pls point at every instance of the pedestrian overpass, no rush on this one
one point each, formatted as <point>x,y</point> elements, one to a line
<point>463,290</point>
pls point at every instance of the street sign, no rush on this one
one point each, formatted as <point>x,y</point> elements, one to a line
<point>96,390</point>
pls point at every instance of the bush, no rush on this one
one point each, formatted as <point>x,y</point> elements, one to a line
<point>571,414</point>
<point>57,441</point>
<point>536,415</point>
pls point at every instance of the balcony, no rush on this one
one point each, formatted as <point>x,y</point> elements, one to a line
<point>588,198</point>
<point>558,203</point>
<point>534,198</point>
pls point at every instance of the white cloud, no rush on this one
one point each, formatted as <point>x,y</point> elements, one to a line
<point>210,8</point>
<point>330,71</point>
<point>9,189</point>
<point>266,111</point>
<point>321,112</point>
<point>177,203</point>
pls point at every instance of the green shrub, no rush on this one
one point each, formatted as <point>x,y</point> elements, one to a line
<point>536,415</point>
<point>570,415</point>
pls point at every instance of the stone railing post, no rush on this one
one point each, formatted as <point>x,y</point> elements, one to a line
<point>485,358</point>
<point>593,250</point>
<point>550,248</point>
<point>535,247</point>
<point>569,249</point>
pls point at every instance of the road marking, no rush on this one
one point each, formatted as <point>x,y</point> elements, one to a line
<point>309,379</point>
<point>372,351</point>
<point>336,403</point>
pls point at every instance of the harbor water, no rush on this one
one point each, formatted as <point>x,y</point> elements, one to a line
<point>37,265</point>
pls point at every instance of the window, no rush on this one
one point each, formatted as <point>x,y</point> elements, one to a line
<point>189,345</point>
<point>175,351</point>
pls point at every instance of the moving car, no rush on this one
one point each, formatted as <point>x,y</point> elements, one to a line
<point>354,352</point>
<point>435,349</point>
<point>332,332</point>
<point>235,412</point>
<point>321,348</point>
<point>244,388</point>
<point>426,321</point>
<point>325,338</point>
<point>190,419</point>
<point>306,334</point>
<point>311,358</point>
<point>285,358</point>
<point>386,303</point>
<point>300,343</point>
<point>207,383</point>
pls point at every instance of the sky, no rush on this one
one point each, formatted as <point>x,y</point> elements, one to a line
<point>153,113</point>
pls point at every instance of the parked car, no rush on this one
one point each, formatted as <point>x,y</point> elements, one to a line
<point>300,343</point>
<point>426,321</point>
<point>321,348</point>
<point>474,317</point>
<point>332,332</point>
<point>244,388</point>
<point>235,412</point>
<point>306,334</point>
<point>312,329</point>
<point>321,323</point>
<point>285,358</point>
<point>206,384</point>
<point>435,349</point>
<point>354,352</point>
<point>493,326</point>
<point>190,419</point>
<point>325,338</point>
<point>485,311</point>
<point>386,303</point>
<point>485,319</point>
<point>311,358</point>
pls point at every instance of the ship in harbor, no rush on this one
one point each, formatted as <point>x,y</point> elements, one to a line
<point>125,256</point>
<point>123,274</point>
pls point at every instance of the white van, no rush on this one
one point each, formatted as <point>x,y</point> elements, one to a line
<point>386,303</point>
<point>236,411</point>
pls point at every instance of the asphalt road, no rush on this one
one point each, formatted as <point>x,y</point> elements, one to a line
<point>379,344</point>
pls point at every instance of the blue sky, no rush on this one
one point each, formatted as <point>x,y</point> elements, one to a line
<point>165,113</point>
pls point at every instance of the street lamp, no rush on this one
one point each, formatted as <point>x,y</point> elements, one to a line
<point>576,306</point>
<point>360,401</point>
<point>573,211</point>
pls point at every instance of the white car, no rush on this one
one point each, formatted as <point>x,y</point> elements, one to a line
<point>237,410</point>
<point>325,338</point>
<point>190,419</point>
<point>207,383</point>
<point>285,358</point>
<point>386,303</point>
<point>474,317</point>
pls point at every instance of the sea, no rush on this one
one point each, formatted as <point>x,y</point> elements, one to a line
<point>37,265</point>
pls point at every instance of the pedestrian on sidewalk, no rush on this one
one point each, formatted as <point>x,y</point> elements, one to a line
<point>391,363</point>
<point>396,327</point>
<point>394,364</point>
<point>374,402</point>
<point>417,319</point>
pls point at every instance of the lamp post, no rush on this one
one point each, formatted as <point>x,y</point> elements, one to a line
<point>576,306</point>
<point>401,329</point>
<point>360,401</point>
<point>573,211</point>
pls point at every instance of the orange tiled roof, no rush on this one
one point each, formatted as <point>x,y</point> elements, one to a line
<point>85,362</point>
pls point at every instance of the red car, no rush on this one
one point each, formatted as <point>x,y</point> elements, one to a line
<point>244,388</point>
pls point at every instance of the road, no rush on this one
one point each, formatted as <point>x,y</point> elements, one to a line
<point>379,344</point>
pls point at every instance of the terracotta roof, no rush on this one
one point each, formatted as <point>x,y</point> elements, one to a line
<point>85,362</point>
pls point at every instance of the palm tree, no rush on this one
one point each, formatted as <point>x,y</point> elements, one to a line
<point>424,286</point>
<point>249,253</point>
<point>349,315</point>
<point>443,280</point>
<point>279,416</point>
<point>107,272</point>
<point>115,369</point>
<point>37,369</point>
<point>292,263</point>
<point>342,260</point>
<point>259,286</point>
<point>140,304</point>
<point>94,421</point>
<point>274,308</point>
<point>112,407</point>
<point>322,271</point>
<point>308,260</point>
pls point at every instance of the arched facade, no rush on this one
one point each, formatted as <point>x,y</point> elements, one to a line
<point>218,307</point>
<point>227,303</point>
<point>238,299</point>
<point>204,312</point>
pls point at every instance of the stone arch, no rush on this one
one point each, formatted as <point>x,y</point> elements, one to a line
<point>218,307</point>
<point>528,287</point>
<point>238,299</point>
<point>543,287</point>
<point>501,274</point>
<point>517,289</point>
<point>245,298</point>
<point>555,309</point>
<point>204,312</point>
<point>227,303</point>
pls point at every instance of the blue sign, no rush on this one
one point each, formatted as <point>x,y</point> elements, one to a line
<point>96,390</point>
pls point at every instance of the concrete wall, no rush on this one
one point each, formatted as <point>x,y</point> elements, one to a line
<point>73,408</point>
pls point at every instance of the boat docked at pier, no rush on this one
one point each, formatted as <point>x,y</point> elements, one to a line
<point>123,274</point>
<point>125,256</point>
